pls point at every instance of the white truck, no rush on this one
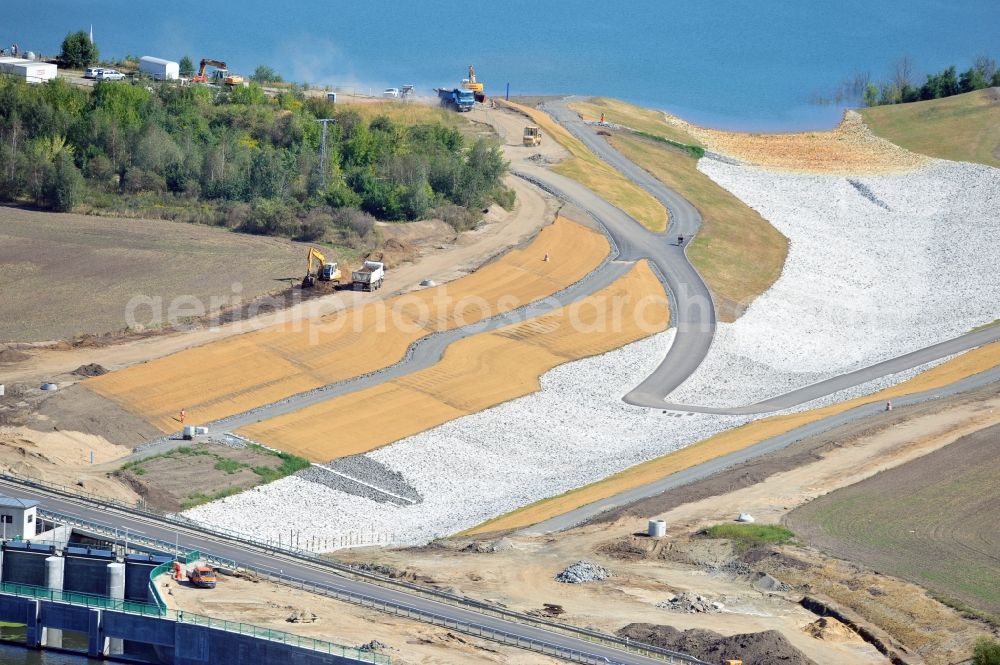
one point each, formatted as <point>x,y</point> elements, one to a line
<point>369,276</point>
<point>159,69</point>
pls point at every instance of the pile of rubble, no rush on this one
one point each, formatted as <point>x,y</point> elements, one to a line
<point>583,571</point>
<point>691,604</point>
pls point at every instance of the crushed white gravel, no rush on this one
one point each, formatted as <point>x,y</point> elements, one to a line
<point>862,283</point>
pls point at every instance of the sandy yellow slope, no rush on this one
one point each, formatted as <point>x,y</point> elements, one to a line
<point>236,374</point>
<point>475,373</point>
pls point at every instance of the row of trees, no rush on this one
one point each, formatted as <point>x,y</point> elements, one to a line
<point>901,86</point>
<point>234,156</point>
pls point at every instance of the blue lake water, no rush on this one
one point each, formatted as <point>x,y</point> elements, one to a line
<point>740,64</point>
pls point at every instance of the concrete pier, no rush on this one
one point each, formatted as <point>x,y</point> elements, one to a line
<point>116,591</point>
<point>52,637</point>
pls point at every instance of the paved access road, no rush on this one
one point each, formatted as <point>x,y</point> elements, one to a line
<point>247,555</point>
<point>711,467</point>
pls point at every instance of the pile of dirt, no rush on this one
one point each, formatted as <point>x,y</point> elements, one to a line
<point>12,356</point>
<point>393,253</point>
<point>92,369</point>
<point>830,630</point>
<point>767,647</point>
<point>583,571</point>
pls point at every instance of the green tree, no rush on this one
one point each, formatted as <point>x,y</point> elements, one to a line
<point>871,94</point>
<point>186,67</point>
<point>972,79</point>
<point>986,652</point>
<point>65,183</point>
<point>78,51</point>
<point>264,74</point>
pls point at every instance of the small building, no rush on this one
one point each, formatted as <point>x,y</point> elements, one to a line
<point>159,69</point>
<point>28,70</point>
<point>18,517</point>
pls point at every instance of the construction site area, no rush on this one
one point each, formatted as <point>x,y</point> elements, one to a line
<point>700,392</point>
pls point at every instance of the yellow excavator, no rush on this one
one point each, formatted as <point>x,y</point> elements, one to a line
<point>220,75</point>
<point>475,86</point>
<point>325,271</point>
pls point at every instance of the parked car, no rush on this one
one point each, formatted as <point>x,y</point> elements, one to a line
<point>110,75</point>
<point>92,72</point>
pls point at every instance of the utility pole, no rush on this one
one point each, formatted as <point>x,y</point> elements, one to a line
<point>322,150</point>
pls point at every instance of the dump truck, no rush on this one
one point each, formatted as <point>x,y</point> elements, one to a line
<point>532,136</point>
<point>203,577</point>
<point>369,276</point>
<point>456,98</point>
<point>325,271</point>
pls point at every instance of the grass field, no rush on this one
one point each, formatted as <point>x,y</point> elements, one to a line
<point>737,252</point>
<point>475,373</point>
<point>629,115</point>
<point>588,170</point>
<point>932,521</point>
<point>62,275</point>
<point>241,372</point>
<point>961,128</point>
<point>970,363</point>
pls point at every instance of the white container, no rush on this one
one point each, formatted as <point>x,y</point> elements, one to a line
<point>32,72</point>
<point>331,97</point>
<point>200,431</point>
<point>657,529</point>
<point>1,389</point>
<point>159,69</point>
<point>188,432</point>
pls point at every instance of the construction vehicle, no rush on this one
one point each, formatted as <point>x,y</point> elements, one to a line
<point>325,271</point>
<point>203,577</point>
<point>456,98</point>
<point>406,91</point>
<point>733,662</point>
<point>532,136</point>
<point>369,276</point>
<point>475,86</point>
<point>219,75</point>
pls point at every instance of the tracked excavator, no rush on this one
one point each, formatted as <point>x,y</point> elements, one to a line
<point>475,86</point>
<point>220,75</point>
<point>324,271</point>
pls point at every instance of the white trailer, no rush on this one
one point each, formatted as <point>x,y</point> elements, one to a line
<point>159,69</point>
<point>369,277</point>
<point>28,70</point>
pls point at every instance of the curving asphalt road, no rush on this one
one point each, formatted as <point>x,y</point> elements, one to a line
<point>681,362</point>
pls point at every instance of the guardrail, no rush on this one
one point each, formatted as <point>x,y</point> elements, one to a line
<point>595,637</point>
<point>147,609</point>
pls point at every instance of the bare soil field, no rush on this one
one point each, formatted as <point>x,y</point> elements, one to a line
<point>406,642</point>
<point>245,371</point>
<point>64,275</point>
<point>474,374</point>
<point>932,521</point>
<point>188,476</point>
